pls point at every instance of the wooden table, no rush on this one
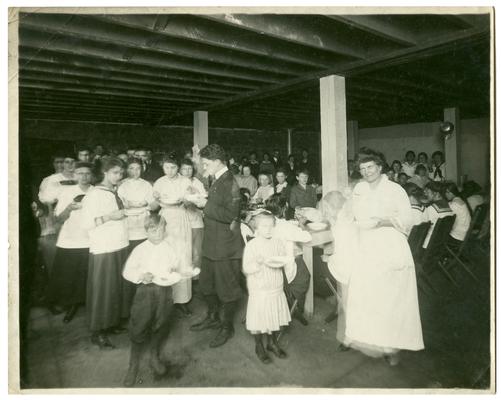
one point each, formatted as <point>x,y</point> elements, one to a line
<point>318,238</point>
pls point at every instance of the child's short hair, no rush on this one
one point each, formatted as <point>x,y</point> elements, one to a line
<point>153,221</point>
<point>260,215</point>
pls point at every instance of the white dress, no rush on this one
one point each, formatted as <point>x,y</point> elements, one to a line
<point>136,190</point>
<point>178,230</point>
<point>267,308</point>
<point>382,307</point>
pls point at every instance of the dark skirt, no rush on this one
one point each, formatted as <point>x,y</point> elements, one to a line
<point>68,281</point>
<point>107,291</point>
<point>150,312</point>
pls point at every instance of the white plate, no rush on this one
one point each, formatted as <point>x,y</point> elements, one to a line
<point>317,226</point>
<point>173,279</point>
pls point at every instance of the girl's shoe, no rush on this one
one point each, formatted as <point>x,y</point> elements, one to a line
<point>275,349</point>
<point>262,355</point>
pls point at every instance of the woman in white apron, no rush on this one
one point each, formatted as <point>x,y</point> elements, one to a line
<point>382,314</point>
<point>170,192</point>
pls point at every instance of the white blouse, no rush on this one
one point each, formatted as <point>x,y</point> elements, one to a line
<point>160,260</point>
<point>72,234</point>
<point>136,190</point>
<point>110,236</point>
<point>51,186</point>
<point>263,193</point>
<point>172,188</point>
<point>463,218</point>
<point>195,215</point>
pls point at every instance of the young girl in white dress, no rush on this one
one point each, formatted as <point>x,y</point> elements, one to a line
<point>267,310</point>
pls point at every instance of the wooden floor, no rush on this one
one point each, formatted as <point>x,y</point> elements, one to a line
<point>455,325</point>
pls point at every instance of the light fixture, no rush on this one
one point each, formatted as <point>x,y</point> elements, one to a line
<point>447,129</point>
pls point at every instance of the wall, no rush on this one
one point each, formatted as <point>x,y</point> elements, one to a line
<point>394,141</point>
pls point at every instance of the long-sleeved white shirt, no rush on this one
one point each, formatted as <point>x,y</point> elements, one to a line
<point>136,190</point>
<point>160,260</point>
<point>463,218</point>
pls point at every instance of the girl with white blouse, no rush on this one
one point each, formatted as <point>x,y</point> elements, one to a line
<point>194,203</point>
<point>170,192</point>
<point>68,280</point>
<point>103,216</point>
<point>460,209</point>
<point>137,196</point>
<point>265,189</point>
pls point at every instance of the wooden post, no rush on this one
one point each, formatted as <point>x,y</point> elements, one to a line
<point>333,133</point>
<point>289,142</point>
<point>452,147</point>
<point>200,128</point>
<point>352,137</point>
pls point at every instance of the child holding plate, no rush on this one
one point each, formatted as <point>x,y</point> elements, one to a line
<point>267,309</point>
<point>152,266</point>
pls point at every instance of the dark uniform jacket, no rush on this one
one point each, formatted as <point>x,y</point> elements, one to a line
<point>222,210</point>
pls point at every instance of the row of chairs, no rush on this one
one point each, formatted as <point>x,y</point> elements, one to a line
<point>439,252</point>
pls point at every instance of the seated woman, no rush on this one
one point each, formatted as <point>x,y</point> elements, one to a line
<point>460,209</point>
<point>396,166</point>
<point>296,272</point>
<point>402,178</point>
<point>420,177</point>
<point>438,208</point>
<point>265,189</point>
<point>472,192</point>
<point>246,180</point>
<point>417,199</point>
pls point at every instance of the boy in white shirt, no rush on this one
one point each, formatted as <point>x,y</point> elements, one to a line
<point>152,266</point>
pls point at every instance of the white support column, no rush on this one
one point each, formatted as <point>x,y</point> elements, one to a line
<point>452,147</point>
<point>352,137</point>
<point>333,133</point>
<point>200,128</point>
<point>289,142</point>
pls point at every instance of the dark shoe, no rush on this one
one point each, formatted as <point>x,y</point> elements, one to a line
<point>331,317</point>
<point>262,354</point>
<point>183,310</point>
<point>130,378</point>
<point>102,341</point>
<point>70,314</point>
<point>116,330</point>
<point>300,317</point>
<point>342,348</point>
<point>55,310</point>
<point>210,322</point>
<point>275,349</point>
<point>224,334</point>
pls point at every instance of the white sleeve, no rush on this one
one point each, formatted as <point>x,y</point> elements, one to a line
<point>250,265</point>
<point>403,221</point>
<point>148,193</point>
<point>49,193</point>
<point>121,192</point>
<point>294,233</point>
<point>90,211</point>
<point>64,199</point>
<point>132,270</point>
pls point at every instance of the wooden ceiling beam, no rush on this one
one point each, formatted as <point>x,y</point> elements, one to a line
<point>290,29</point>
<point>374,26</point>
<point>101,31</point>
<point>38,84</point>
<point>114,85</point>
<point>199,30</point>
<point>434,46</point>
<point>41,38</point>
<point>70,60</point>
<point>122,77</point>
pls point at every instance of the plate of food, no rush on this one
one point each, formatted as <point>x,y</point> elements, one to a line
<point>190,273</point>
<point>277,261</point>
<point>317,226</point>
<point>173,278</point>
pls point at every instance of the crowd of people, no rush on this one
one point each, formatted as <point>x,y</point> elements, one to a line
<point>127,235</point>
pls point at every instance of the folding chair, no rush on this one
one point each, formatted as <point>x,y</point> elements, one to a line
<point>435,250</point>
<point>479,234</point>
<point>476,221</point>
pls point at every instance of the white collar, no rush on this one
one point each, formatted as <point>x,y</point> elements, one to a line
<point>218,174</point>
